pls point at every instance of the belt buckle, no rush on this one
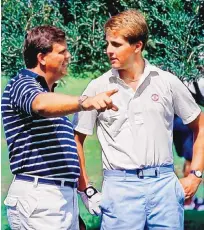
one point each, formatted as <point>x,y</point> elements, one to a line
<point>140,173</point>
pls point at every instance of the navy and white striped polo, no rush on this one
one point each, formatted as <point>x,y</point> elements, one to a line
<point>37,145</point>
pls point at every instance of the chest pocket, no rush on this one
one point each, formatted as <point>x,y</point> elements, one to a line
<point>135,112</point>
<point>155,113</point>
<point>113,121</point>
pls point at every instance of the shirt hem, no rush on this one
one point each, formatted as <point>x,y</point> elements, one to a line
<point>84,131</point>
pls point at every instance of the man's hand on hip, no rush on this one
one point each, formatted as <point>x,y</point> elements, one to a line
<point>190,185</point>
<point>91,198</point>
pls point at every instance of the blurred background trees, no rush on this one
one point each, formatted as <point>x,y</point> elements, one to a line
<point>176,27</point>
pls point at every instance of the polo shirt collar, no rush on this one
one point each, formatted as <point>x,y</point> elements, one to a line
<point>40,79</point>
<point>147,70</point>
<point>28,73</point>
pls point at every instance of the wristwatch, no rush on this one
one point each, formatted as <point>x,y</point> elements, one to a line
<point>81,100</point>
<point>90,191</point>
<point>197,173</point>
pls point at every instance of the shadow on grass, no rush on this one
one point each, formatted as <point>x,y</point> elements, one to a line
<point>191,225</point>
<point>194,220</point>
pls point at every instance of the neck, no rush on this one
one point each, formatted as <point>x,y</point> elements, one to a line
<point>42,73</point>
<point>134,72</point>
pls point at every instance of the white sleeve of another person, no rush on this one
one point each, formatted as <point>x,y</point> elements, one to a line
<point>84,121</point>
<point>184,104</point>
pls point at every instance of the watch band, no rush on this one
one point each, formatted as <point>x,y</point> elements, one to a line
<point>81,100</point>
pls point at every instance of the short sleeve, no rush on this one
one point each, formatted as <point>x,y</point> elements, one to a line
<point>84,121</point>
<point>183,102</point>
<point>23,92</point>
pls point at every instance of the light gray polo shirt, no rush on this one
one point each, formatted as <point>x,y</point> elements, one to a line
<point>139,134</point>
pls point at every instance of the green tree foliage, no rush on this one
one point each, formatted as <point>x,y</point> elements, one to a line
<point>86,35</point>
<point>176,32</point>
<point>176,29</point>
<point>18,17</point>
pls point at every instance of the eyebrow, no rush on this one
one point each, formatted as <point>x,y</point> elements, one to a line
<point>63,50</point>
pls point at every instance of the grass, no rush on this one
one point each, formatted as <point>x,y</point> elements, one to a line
<point>193,220</point>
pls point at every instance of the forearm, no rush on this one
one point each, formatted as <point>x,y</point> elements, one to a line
<point>83,179</point>
<point>198,157</point>
<point>55,104</point>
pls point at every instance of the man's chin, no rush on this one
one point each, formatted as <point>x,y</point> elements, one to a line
<point>115,66</point>
<point>64,72</point>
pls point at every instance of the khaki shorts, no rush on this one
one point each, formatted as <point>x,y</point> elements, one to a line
<point>38,206</point>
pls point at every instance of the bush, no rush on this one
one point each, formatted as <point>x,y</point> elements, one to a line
<point>16,20</point>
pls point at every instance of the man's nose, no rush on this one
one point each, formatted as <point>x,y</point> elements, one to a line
<point>68,56</point>
<point>109,50</point>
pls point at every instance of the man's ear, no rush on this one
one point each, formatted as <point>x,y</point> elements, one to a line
<point>41,58</point>
<point>138,46</point>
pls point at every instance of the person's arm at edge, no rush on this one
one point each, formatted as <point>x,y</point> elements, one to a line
<point>191,182</point>
<point>92,203</point>
<point>55,104</point>
<point>83,179</point>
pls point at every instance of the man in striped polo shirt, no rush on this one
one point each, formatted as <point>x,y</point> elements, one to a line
<point>42,150</point>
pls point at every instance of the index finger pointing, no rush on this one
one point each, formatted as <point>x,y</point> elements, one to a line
<point>111,92</point>
<point>114,108</point>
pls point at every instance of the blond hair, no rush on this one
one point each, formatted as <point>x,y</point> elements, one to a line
<point>130,24</point>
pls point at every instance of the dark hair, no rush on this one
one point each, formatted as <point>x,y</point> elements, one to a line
<point>40,39</point>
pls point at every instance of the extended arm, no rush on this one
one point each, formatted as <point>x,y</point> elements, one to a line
<point>55,104</point>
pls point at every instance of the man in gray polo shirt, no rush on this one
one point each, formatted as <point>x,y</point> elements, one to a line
<point>140,188</point>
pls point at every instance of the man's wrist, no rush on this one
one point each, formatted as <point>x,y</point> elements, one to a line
<point>80,101</point>
<point>194,178</point>
<point>83,184</point>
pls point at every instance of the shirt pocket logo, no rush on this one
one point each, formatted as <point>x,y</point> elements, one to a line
<point>155,97</point>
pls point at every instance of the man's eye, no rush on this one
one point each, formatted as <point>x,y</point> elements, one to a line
<point>115,44</point>
<point>63,52</point>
